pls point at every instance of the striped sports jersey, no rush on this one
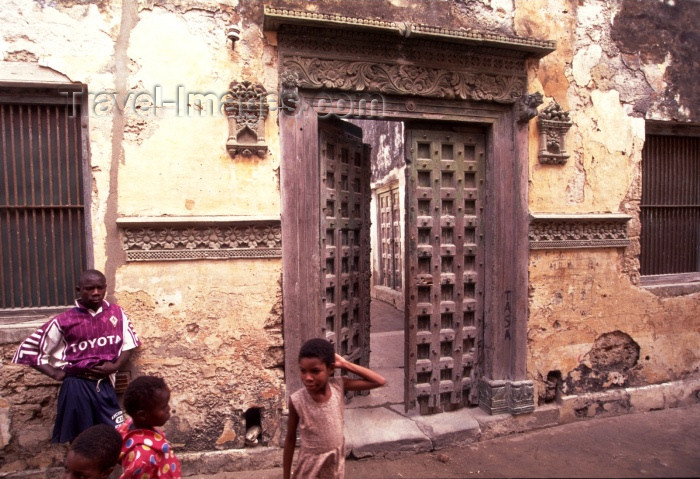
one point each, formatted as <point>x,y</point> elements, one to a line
<point>79,339</point>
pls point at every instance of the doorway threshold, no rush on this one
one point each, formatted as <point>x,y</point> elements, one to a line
<point>387,430</point>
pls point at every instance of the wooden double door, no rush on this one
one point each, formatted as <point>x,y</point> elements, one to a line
<point>444,264</point>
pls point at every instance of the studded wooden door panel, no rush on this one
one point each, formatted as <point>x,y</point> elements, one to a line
<point>390,238</point>
<point>444,278</point>
<point>345,238</point>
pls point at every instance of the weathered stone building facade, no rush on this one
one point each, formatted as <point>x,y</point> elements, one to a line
<point>208,211</point>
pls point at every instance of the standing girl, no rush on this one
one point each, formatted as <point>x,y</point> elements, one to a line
<point>317,409</point>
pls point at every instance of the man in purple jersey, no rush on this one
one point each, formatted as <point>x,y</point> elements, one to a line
<point>84,348</point>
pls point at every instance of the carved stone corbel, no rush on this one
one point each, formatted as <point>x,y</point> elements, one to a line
<point>289,98</point>
<point>527,106</point>
<point>246,108</point>
<point>553,123</point>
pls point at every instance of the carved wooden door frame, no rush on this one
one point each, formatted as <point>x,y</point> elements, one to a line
<point>332,72</point>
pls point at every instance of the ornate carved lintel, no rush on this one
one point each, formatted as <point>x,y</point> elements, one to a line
<point>500,396</point>
<point>246,108</point>
<point>527,106</point>
<point>553,123</point>
<point>401,79</point>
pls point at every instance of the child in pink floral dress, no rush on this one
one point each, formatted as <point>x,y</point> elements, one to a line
<point>145,451</point>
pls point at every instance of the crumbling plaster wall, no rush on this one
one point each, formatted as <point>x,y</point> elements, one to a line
<point>211,328</point>
<point>217,340</point>
<point>612,73</point>
<point>220,329</point>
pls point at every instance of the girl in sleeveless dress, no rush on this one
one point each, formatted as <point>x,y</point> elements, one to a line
<point>317,410</point>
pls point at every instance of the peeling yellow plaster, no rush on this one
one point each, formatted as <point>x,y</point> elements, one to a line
<point>195,63</point>
<point>579,295</point>
<point>613,127</point>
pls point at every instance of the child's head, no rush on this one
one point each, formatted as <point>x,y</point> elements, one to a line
<point>93,454</point>
<point>318,348</point>
<point>146,400</point>
<point>316,364</point>
<point>91,288</point>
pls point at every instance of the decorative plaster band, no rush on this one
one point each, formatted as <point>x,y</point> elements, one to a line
<point>578,231</point>
<point>274,17</point>
<point>189,238</point>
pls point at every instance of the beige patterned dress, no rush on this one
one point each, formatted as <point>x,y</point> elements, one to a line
<point>322,449</point>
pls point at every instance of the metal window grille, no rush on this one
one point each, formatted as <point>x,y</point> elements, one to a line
<point>42,210</point>
<point>670,210</point>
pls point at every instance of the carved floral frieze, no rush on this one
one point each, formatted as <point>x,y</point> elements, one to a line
<point>387,78</point>
<point>183,240</point>
<point>578,231</point>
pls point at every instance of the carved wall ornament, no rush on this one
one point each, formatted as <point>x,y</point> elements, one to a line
<point>246,108</point>
<point>578,231</point>
<point>553,123</point>
<point>162,239</point>
<point>527,106</point>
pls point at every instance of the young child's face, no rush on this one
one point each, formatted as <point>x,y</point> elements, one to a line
<point>314,374</point>
<point>80,467</point>
<point>159,413</point>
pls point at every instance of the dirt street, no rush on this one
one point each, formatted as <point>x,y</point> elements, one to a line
<point>651,444</point>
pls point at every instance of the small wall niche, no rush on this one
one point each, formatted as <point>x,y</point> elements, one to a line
<point>253,427</point>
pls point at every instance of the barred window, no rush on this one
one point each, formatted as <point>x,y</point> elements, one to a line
<point>670,208</point>
<point>43,207</point>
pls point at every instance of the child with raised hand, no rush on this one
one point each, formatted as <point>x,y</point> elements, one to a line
<point>146,452</point>
<point>317,410</point>
<point>93,454</point>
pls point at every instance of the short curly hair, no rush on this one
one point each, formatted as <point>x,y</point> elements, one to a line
<point>318,348</point>
<point>140,393</point>
<point>100,443</point>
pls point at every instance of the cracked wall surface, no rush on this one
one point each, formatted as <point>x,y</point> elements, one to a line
<point>617,76</point>
<point>213,329</point>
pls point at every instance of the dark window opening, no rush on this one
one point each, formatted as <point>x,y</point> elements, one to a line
<point>43,210</point>
<point>670,207</point>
